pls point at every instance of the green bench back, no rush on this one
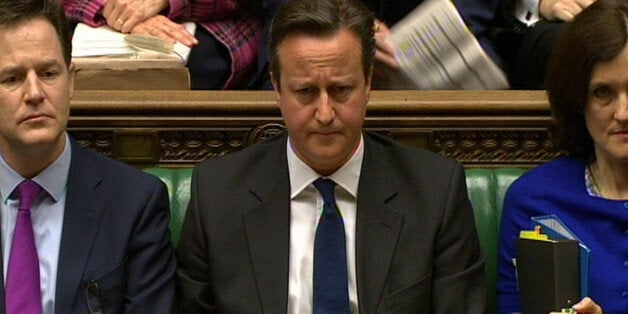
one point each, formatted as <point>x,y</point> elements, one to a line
<point>486,187</point>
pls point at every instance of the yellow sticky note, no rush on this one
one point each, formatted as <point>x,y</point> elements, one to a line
<point>533,234</point>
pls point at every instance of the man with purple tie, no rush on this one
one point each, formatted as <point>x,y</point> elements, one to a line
<point>80,233</point>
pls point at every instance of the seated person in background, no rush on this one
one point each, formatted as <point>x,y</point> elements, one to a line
<point>476,13</point>
<point>261,78</point>
<point>80,232</point>
<point>587,85</point>
<point>535,26</point>
<point>399,234</point>
<point>224,46</point>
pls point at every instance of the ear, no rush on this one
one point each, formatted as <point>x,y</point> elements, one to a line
<point>71,72</point>
<point>275,82</point>
<point>276,86</point>
<point>369,80</point>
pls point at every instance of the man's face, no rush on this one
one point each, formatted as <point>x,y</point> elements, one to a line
<point>322,95</point>
<point>35,89</point>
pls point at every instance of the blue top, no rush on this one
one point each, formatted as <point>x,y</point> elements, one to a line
<point>559,188</point>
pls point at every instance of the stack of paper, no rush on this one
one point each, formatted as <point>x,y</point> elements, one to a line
<point>104,41</point>
<point>435,50</point>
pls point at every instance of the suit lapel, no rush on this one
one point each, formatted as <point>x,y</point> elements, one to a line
<point>81,221</point>
<point>268,228</point>
<point>377,225</point>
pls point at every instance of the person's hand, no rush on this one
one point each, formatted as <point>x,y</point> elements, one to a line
<point>162,27</point>
<point>124,15</point>
<point>384,59</point>
<point>585,306</point>
<point>564,10</point>
<point>384,53</point>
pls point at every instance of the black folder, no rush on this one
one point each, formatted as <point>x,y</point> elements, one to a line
<point>548,274</point>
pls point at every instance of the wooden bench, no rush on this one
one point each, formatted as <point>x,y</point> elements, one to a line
<point>180,128</point>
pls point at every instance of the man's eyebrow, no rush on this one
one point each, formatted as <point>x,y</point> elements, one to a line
<point>11,69</point>
<point>50,63</point>
<point>45,64</point>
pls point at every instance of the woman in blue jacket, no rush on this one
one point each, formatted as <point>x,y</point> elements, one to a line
<point>587,85</point>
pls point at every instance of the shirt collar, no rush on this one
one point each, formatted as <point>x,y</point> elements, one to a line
<point>53,179</point>
<point>347,177</point>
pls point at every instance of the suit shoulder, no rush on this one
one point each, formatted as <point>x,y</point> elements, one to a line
<point>245,158</point>
<point>112,169</point>
<point>556,173</point>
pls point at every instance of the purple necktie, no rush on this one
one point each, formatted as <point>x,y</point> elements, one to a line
<point>22,290</point>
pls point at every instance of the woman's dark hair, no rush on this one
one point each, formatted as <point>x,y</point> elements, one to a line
<point>597,35</point>
<point>322,17</point>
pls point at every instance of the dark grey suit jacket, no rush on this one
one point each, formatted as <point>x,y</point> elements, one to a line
<point>115,233</point>
<point>416,245</point>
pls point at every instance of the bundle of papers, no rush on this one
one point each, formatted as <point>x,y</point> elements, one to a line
<point>435,50</point>
<point>104,41</point>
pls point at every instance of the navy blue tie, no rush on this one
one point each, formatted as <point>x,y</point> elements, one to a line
<point>331,291</point>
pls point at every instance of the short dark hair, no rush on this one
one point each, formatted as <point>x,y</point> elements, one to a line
<point>597,35</point>
<point>16,12</point>
<point>322,17</point>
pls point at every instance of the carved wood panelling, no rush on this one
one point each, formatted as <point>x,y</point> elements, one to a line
<point>181,128</point>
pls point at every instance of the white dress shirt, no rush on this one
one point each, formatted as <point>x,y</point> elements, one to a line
<point>306,207</point>
<point>527,11</point>
<point>47,217</point>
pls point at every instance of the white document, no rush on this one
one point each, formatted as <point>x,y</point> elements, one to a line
<point>104,41</point>
<point>436,50</point>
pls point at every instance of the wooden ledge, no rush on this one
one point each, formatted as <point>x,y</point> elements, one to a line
<point>180,128</point>
<point>400,102</point>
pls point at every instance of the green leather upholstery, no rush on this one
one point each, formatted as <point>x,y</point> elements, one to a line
<point>486,190</point>
<point>178,183</point>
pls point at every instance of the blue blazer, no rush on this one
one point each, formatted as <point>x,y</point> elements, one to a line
<point>115,251</point>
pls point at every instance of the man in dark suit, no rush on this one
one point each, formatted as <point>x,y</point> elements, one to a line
<point>251,237</point>
<point>525,33</point>
<point>95,238</point>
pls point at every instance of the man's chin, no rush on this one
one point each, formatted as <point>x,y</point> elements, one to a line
<point>331,158</point>
<point>42,139</point>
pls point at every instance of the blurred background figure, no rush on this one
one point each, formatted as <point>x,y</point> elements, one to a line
<point>224,45</point>
<point>526,31</point>
<point>477,14</point>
